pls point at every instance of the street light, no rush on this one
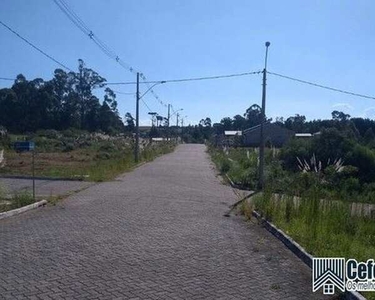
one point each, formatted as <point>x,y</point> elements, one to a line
<point>176,112</point>
<point>138,97</point>
<point>152,114</point>
<point>182,121</point>
<point>150,88</point>
<point>263,116</point>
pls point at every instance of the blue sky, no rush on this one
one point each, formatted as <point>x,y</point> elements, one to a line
<point>329,42</point>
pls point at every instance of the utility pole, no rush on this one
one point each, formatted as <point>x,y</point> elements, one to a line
<point>169,113</point>
<point>177,119</point>
<point>169,117</point>
<point>263,120</point>
<point>136,148</point>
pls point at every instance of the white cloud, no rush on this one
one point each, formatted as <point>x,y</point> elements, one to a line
<point>369,112</point>
<point>346,106</point>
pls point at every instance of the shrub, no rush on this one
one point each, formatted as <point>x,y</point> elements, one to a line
<point>363,158</point>
<point>224,166</point>
<point>68,147</point>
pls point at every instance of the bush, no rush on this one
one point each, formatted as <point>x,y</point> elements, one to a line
<point>224,166</point>
<point>295,148</point>
<point>68,147</point>
<point>363,158</point>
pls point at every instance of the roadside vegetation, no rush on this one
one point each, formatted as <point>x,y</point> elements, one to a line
<point>319,190</point>
<point>78,154</point>
<point>9,202</point>
<point>341,168</point>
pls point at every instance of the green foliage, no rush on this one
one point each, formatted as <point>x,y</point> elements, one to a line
<point>363,158</point>
<point>324,228</point>
<point>66,101</point>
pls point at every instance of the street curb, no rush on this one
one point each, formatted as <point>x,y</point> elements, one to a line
<point>21,210</point>
<point>298,250</point>
<point>41,178</point>
<point>236,186</point>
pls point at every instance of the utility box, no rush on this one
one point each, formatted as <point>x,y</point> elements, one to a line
<point>23,146</point>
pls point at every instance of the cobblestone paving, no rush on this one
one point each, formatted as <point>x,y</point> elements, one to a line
<point>155,233</point>
<point>43,188</point>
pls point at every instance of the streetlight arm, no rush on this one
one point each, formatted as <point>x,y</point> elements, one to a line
<point>176,112</point>
<point>161,82</point>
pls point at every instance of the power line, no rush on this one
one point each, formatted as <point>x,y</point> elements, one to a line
<point>322,86</point>
<point>148,107</point>
<point>4,78</point>
<point>35,47</point>
<point>187,79</point>
<point>64,7</point>
<point>123,93</point>
<point>78,22</point>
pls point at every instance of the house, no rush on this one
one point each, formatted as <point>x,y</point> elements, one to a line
<point>228,138</point>
<point>274,135</point>
<point>231,137</point>
<point>303,135</point>
<point>306,135</point>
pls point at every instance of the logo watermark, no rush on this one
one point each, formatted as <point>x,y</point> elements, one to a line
<point>349,275</point>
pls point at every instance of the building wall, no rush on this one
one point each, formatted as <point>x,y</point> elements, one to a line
<point>274,134</point>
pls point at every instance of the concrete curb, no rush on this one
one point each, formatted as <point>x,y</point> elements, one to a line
<point>236,186</point>
<point>42,178</point>
<point>298,250</point>
<point>21,210</point>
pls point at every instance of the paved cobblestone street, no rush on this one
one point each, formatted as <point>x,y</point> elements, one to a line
<point>43,188</point>
<point>155,233</point>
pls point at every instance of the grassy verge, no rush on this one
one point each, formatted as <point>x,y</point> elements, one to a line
<point>323,228</point>
<point>98,162</point>
<point>15,201</point>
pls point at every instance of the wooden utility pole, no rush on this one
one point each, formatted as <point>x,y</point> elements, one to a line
<point>263,120</point>
<point>136,148</point>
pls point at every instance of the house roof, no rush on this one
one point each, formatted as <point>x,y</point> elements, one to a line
<point>232,132</point>
<point>266,124</point>
<point>303,134</point>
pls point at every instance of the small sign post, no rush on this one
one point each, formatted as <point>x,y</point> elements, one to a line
<point>27,146</point>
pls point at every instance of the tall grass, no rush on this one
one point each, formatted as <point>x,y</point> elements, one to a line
<point>324,228</point>
<point>108,169</point>
<point>15,201</point>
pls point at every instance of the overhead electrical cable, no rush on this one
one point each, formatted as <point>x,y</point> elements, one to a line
<point>187,79</point>
<point>322,86</point>
<point>35,47</point>
<point>64,7</point>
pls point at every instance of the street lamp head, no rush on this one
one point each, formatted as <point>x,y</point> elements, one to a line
<point>268,44</point>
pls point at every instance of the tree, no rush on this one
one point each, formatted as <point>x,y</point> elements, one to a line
<point>227,123</point>
<point>239,122</point>
<point>296,123</point>
<point>207,122</point>
<point>65,101</point>
<point>340,116</point>
<point>129,122</point>
<point>253,115</point>
<point>369,135</point>
<point>84,83</point>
